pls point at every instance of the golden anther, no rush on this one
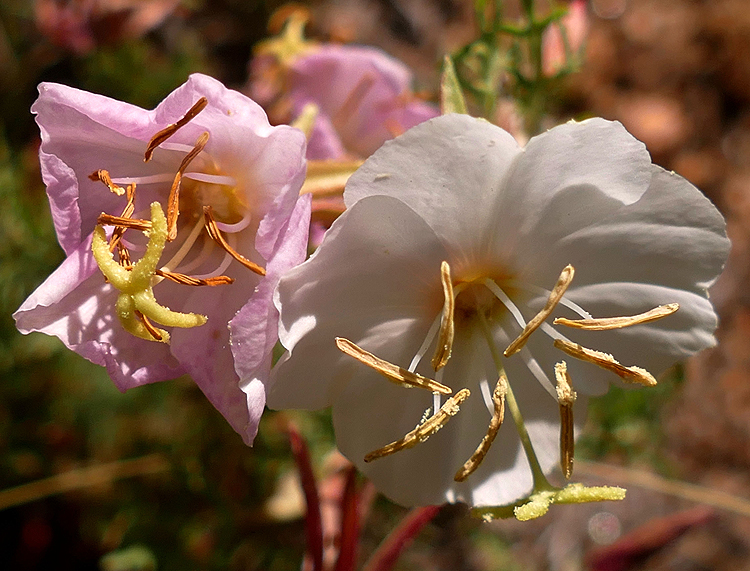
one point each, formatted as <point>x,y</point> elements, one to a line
<point>424,430</point>
<point>170,130</point>
<point>392,372</point>
<point>554,298</point>
<point>154,331</point>
<point>121,222</point>
<point>498,400</point>
<point>173,202</point>
<point>103,176</point>
<point>608,362</point>
<point>565,397</point>
<point>607,323</point>
<point>216,236</point>
<point>123,256</point>
<point>191,281</point>
<point>447,330</point>
<point>127,212</point>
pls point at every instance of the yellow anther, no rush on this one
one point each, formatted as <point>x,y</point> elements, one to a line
<point>498,400</point>
<point>447,329</point>
<point>565,397</point>
<point>607,323</point>
<point>423,431</point>
<point>392,372</point>
<point>554,298</point>
<point>608,362</point>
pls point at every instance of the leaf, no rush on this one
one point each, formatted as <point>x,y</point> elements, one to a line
<point>451,95</point>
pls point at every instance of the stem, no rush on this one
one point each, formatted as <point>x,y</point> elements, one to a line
<point>540,480</point>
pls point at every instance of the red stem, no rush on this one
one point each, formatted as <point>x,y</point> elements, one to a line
<point>313,522</point>
<point>349,537</point>
<point>390,549</point>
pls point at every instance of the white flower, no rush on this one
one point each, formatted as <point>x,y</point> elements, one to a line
<point>460,190</point>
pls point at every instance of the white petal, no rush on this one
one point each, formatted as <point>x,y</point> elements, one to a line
<point>567,178</point>
<point>673,236</point>
<point>448,170</point>
<point>375,280</point>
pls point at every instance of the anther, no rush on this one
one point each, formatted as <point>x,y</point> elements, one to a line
<point>424,430</point>
<point>447,330</point>
<point>607,323</point>
<point>170,130</point>
<point>155,332</point>
<point>554,298</point>
<point>498,400</point>
<point>191,281</point>
<point>392,372</point>
<point>173,202</point>
<point>216,236</point>
<point>122,222</point>
<point>103,176</point>
<point>127,212</point>
<point>608,362</point>
<point>565,397</point>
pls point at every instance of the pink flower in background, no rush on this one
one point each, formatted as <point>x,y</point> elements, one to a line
<point>363,98</point>
<point>229,184</point>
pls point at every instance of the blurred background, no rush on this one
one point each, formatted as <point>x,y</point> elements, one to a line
<point>155,478</point>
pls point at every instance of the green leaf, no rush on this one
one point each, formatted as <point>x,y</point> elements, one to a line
<point>451,95</point>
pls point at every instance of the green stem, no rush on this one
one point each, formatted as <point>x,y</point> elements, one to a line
<point>541,483</point>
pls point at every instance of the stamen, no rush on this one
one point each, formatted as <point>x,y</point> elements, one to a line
<point>127,212</point>
<point>423,431</point>
<point>215,234</point>
<point>170,130</point>
<point>173,202</point>
<point>392,372</point>
<point>155,332</point>
<point>123,255</point>
<point>505,300</point>
<point>541,291</point>
<point>554,298</point>
<point>103,176</point>
<point>445,337</point>
<point>122,222</point>
<point>608,362</point>
<point>186,246</point>
<point>425,345</point>
<point>565,397</point>
<point>607,323</point>
<point>191,281</point>
<point>498,399</point>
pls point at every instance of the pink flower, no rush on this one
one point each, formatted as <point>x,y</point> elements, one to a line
<point>363,97</point>
<point>235,180</point>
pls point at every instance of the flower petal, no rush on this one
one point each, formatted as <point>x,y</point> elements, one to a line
<point>438,168</point>
<point>76,305</point>
<point>363,283</point>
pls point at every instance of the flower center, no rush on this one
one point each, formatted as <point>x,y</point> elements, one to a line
<point>211,203</point>
<point>484,302</point>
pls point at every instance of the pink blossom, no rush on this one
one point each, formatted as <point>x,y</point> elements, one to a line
<point>576,24</point>
<point>243,182</point>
